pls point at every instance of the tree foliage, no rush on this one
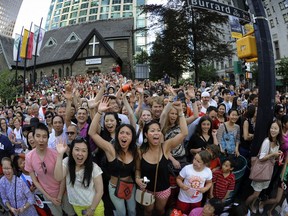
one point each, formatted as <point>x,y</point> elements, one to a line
<point>189,38</point>
<point>141,58</point>
<point>283,69</point>
<point>8,90</point>
<point>208,73</point>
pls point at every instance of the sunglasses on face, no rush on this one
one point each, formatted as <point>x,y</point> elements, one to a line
<point>49,116</point>
<point>44,168</point>
<point>70,133</point>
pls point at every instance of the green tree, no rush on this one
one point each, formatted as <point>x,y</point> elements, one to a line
<point>8,90</point>
<point>283,70</point>
<point>207,73</point>
<point>141,58</point>
<point>190,37</point>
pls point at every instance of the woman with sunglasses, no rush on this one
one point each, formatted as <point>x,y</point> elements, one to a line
<point>83,178</point>
<point>120,156</point>
<point>48,119</point>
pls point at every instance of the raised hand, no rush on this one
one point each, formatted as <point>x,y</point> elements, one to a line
<point>91,102</point>
<point>61,147</point>
<point>177,105</point>
<point>68,91</point>
<point>104,104</point>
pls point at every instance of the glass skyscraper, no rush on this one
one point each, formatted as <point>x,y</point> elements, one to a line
<point>9,10</point>
<point>68,12</point>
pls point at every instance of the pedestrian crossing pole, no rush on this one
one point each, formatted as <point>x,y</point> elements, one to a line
<point>266,75</point>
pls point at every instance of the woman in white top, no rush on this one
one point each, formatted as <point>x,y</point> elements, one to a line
<point>269,151</point>
<point>17,137</point>
<point>83,178</point>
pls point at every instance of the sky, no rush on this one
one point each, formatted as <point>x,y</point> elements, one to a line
<point>33,10</point>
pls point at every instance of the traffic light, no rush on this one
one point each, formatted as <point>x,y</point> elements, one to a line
<point>246,47</point>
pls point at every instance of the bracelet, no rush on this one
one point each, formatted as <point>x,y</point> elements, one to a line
<point>193,100</point>
<point>93,210</point>
<point>181,115</point>
<point>99,113</point>
<point>137,177</point>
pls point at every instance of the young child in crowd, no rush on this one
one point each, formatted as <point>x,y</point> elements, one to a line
<point>194,180</point>
<point>223,180</point>
<point>215,162</point>
<point>212,207</point>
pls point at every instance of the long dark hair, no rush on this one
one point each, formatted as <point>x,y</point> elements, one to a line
<point>145,145</point>
<point>88,164</point>
<point>199,131</point>
<point>279,136</point>
<point>132,146</point>
<point>105,133</point>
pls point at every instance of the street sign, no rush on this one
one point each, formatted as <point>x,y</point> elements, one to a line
<point>221,8</point>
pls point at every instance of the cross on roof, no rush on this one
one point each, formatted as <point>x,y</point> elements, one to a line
<point>94,44</point>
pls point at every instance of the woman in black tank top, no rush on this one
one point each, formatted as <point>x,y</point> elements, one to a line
<point>152,151</point>
<point>121,155</point>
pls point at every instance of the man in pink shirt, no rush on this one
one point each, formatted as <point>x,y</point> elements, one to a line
<point>40,164</point>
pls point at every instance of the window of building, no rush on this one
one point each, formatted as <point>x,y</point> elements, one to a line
<point>73,21</point>
<point>127,14</point>
<point>116,1</point>
<point>140,23</point>
<point>277,49</point>
<point>59,72</point>
<point>115,15</point>
<point>72,38</point>
<point>276,19</point>
<point>273,9</point>
<point>268,11</point>
<point>76,1</point>
<point>127,7</point>
<point>67,72</point>
<point>285,16</point>
<point>82,19</point>
<point>85,5</point>
<point>75,7</point>
<point>65,10</point>
<point>67,3</point>
<point>91,18</point>
<point>272,23</point>
<point>74,14</point>
<point>105,2</point>
<point>222,65</point>
<point>64,17</point>
<point>128,1</point>
<point>104,9</point>
<point>83,13</point>
<point>111,44</point>
<point>103,16</point>
<point>56,19</point>
<point>62,24</point>
<point>51,42</point>
<point>116,8</point>
<point>281,5</point>
<point>57,12</point>
<point>94,11</point>
<point>59,6</point>
<point>94,3</point>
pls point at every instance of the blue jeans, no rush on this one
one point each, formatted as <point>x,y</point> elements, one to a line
<point>119,203</point>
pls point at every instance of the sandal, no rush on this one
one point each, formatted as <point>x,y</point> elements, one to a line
<point>253,209</point>
<point>261,207</point>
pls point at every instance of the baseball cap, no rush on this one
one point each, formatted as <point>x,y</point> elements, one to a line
<point>205,94</point>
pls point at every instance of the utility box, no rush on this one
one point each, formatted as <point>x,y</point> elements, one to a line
<point>246,47</point>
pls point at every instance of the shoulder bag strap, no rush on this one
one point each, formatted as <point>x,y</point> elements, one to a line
<point>225,128</point>
<point>156,173</point>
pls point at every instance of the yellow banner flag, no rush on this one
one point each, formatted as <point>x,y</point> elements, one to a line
<point>24,44</point>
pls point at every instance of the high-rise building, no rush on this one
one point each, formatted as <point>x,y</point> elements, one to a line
<point>9,10</point>
<point>277,16</point>
<point>68,12</point>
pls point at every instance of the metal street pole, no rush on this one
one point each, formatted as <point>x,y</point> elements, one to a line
<point>266,75</point>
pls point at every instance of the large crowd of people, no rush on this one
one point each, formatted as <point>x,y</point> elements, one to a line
<point>68,148</point>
